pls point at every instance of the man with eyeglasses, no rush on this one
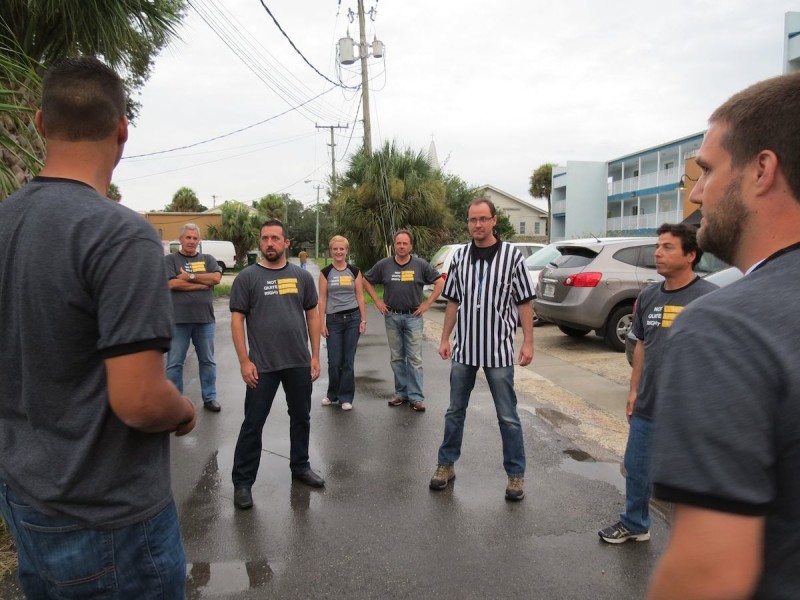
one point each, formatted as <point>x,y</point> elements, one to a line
<point>488,293</point>
<point>403,276</point>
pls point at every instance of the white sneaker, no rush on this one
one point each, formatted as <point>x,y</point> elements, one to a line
<point>347,406</point>
<point>326,402</point>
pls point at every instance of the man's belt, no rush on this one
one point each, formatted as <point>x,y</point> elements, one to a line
<point>409,311</point>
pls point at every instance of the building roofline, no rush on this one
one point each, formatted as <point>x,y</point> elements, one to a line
<point>524,203</point>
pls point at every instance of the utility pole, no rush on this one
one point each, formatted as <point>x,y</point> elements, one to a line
<point>316,235</point>
<point>364,52</point>
<point>346,57</point>
<point>333,153</point>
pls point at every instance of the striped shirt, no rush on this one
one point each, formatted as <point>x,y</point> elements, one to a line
<point>487,294</point>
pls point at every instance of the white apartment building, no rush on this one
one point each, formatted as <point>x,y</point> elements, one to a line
<point>629,195</point>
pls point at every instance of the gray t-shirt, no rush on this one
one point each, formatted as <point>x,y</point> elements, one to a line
<point>275,302</point>
<point>341,288</point>
<point>656,310</point>
<point>195,306</point>
<point>728,412</point>
<point>402,284</point>
<point>82,279</point>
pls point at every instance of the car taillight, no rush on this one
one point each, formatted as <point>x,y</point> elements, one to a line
<point>583,280</point>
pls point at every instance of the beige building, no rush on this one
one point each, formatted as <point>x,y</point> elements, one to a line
<point>529,221</point>
<point>168,224</point>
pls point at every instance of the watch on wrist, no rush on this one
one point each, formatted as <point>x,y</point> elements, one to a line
<point>191,276</point>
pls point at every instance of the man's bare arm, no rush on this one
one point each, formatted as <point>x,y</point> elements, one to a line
<point>143,398</point>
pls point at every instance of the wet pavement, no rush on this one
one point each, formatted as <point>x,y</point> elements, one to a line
<point>376,530</point>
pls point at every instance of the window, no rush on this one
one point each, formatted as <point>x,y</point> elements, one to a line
<point>160,234</point>
<point>669,165</point>
<point>537,228</point>
<point>522,227</point>
<point>634,210</point>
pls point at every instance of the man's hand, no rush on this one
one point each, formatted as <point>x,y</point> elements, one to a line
<point>629,406</point>
<point>314,369</point>
<point>525,354</point>
<point>421,309</point>
<point>185,426</point>
<point>249,373</point>
<point>444,349</point>
<point>381,306</point>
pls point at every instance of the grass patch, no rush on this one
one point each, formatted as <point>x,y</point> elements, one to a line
<point>378,290</point>
<point>222,289</point>
<point>8,553</point>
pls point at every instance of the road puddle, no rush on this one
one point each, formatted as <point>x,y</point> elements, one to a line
<point>583,464</point>
<point>211,580</point>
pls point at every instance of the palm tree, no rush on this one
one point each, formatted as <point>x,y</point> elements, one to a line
<point>21,146</point>
<point>185,200</point>
<point>390,190</point>
<point>127,34</point>
<point>238,226</point>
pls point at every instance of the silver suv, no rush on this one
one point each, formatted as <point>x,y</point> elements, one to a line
<point>593,285</point>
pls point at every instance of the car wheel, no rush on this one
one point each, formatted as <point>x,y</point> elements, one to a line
<point>572,332</point>
<point>618,326</point>
<point>222,266</point>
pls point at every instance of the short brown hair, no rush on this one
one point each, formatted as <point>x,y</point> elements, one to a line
<point>407,232</point>
<point>765,116</point>
<point>82,100</point>
<point>487,202</point>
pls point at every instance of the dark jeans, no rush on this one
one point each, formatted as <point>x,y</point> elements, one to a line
<point>257,404</point>
<point>342,341</point>
<point>61,559</point>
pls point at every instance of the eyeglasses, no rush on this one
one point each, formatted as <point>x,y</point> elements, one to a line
<point>481,220</point>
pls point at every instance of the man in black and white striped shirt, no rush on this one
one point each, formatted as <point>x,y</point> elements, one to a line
<point>488,292</point>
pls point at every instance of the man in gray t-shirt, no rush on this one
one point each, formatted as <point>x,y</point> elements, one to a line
<point>403,276</point>
<point>726,449</point>
<point>85,408</point>
<point>276,303</point>
<point>656,310</point>
<point>191,278</point>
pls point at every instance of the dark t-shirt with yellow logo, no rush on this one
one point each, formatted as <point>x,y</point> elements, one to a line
<point>196,306</point>
<point>274,302</point>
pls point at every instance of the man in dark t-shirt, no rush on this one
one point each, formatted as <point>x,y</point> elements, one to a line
<point>274,300</point>
<point>85,408</point>
<point>403,276</point>
<point>656,310</point>
<point>726,448</point>
<point>191,278</point>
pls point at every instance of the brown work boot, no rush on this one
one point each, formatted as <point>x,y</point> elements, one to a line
<point>443,474</point>
<point>397,401</point>
<point>515,490</point>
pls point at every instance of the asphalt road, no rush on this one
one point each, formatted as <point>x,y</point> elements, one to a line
<point>376,530</point>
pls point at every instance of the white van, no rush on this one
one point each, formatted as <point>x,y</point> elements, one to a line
<point>223,252</point>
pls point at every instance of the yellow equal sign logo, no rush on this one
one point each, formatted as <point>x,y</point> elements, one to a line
<point>345,280</point>
<point>670,312</point>
<point>287,286</point>
<point>406,275</point>
<point>197,267</point>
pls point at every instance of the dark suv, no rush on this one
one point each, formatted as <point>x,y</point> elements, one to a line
<point>593,285</point>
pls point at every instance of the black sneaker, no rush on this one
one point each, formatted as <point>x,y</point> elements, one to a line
<point>618,534</point>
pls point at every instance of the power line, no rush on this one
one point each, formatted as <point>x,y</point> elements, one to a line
<point>296,49</point>
<point>224,135</point>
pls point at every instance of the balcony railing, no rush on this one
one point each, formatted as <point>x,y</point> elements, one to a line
<point>559,207</point>
<point>645,221</point>
<point>643,182</point>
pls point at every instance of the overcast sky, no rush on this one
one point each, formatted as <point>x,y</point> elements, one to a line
<point>501,86</point>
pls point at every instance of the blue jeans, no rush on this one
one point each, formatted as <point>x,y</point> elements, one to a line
<point>638,487</point>
<point>60,559</point>
<point>501,384</point>
<point>343,337</point>
<point>202,336</point>
<point>257,404</point>
<point>404,333</point>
